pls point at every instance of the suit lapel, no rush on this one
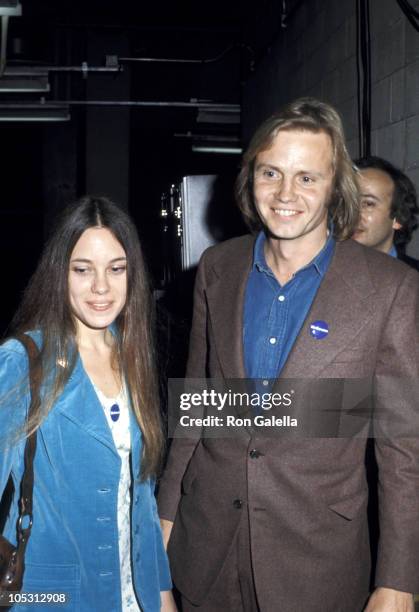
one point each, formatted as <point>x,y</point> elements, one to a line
<point>343,302</point>
<point>226,304</point>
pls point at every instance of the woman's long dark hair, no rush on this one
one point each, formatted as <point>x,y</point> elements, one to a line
<point>46,307</point>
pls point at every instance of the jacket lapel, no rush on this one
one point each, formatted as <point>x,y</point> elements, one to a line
<point>344,302</point>
<point>79,403</point>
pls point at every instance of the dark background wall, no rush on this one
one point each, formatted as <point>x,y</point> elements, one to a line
<point>133,154</point>
<point>316,56</point>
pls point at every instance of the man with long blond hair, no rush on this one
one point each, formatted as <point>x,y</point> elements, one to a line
<point>265,523</point>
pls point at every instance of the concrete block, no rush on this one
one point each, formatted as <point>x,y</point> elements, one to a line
<point>381,103</point>
<point>335,49</point>
<point>388,51</point>
<point>337,12</point>
<point>313,8</point>
<point>295,82</point>
<point>412,89</point>
<point>347,79</point>
<point>374,142</point>
<point>350,27</point>
<point>274,79</point>
<point>390,143</point>
<point>315,33</point>
<point>397,96</point>
<point>413,246</point>
<point>353,148</point>
<point>298,24</point>
<point>383,15</point>
<point>293,54</point>
<point>412,142</point>
<point>314,67</point>
<point>349,113</point>
<point>413,174</point>
<point>331,87</point>
<point>412,44</point>
<point>316,91</point>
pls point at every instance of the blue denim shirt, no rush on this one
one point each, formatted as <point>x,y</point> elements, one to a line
<point>274,314</point>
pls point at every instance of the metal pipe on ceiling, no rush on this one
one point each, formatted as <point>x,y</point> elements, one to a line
<point>40,68</point>
<point>225,108</point>
<point>167,60</point>
<point>208,137</point>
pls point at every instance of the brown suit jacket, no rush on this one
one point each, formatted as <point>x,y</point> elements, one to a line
<point>306,498</point>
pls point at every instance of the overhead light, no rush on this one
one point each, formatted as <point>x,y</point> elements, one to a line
<point>10,9</point>
<point>24,79</point>
<point>217,149</point>
<point>13,84</point>
<point>220,117</point>
<point>221,139</point>
<point>33,112</point>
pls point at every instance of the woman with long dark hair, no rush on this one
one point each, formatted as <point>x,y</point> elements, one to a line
<point>95,533</point>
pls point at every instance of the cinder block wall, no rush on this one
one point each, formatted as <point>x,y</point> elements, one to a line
<point>316,55</point>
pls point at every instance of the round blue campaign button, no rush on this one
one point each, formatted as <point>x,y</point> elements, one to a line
<point>319,329</point>
<point>115,412</point>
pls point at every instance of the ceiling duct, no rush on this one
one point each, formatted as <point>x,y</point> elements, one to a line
<point>10,8</point>
<point>219,117</point>
<point>21,79</point>
<point>217,149</point>
<point>34,112</point>
<point>213,143</point>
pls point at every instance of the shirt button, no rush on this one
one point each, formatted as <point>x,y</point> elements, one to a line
<point>265,383</point>
<point>281,298</point>
<point>237,504</point>
<point>272,340</point>
<point>255,454</point>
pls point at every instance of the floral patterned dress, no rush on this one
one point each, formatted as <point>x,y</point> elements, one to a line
<point>121,435</point>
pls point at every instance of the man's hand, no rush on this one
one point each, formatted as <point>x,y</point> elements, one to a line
<point>390,600</point>
<point>166,528</point>
<point>167,602</point>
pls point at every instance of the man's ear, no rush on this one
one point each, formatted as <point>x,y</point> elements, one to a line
<point>396,225</point>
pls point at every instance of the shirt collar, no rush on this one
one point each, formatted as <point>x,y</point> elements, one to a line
<point>320,262</point>
<point>393,251</point>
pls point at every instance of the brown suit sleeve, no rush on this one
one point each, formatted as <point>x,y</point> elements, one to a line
<point>397,407</point>
<point>182,449</point>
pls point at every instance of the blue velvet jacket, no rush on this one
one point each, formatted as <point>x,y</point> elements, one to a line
<point>74,543</point>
